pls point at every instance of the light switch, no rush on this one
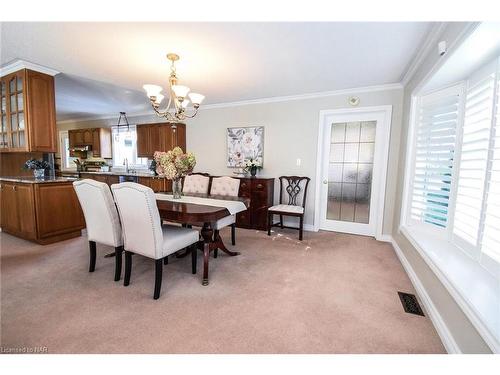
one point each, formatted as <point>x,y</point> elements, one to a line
<point>298,162</point>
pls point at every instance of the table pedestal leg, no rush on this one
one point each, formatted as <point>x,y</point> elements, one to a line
<point>207,234</point>
<point>220,245</point>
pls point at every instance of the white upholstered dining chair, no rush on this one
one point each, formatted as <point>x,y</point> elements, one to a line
<point>143,233</point>
<point>225,186</point>
<point>197,183</point>
<point>101,218</point>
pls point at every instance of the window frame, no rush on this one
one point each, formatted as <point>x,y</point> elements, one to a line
<point>406,219</point>
<point>119,164</point>
<point>63,152</point>
<point>406,222</point>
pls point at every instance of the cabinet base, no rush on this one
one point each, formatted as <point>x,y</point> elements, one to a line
<point>46,240</point>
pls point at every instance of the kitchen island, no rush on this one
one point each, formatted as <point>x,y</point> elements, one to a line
<point>40,210</point>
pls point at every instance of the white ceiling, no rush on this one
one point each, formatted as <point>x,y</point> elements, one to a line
<point>104,65</point>
<point>481,46</point>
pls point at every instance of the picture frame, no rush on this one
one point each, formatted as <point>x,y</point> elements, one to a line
<point>244,143</point>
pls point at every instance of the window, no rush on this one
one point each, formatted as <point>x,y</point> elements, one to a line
<point>125,147</point>
<point>435,140</point>
<point>66,160</point>
<point>454,188</point>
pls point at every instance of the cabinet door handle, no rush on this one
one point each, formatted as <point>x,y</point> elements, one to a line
<point>260,186</point>
<point>14,187</point>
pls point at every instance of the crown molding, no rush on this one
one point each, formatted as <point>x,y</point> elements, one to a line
<point>19,64</point>
<point>315,95</point>
<point>275,99</point>
<point>423,51</point>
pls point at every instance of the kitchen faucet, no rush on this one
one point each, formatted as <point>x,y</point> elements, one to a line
<point>125,163</point>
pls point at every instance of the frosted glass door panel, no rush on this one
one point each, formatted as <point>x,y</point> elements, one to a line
<point>350,171</point>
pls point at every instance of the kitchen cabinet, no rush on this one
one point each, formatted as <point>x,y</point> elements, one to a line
<point>42,212</point>
<point>158,184</point>
<point>28,114</point>
<point>106,178</point>
<point>98,140</point>
<point>159,137</point>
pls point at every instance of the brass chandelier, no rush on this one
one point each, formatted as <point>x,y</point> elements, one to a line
<point>178,102</point>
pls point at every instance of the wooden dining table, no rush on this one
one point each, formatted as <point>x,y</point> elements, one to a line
<point>201,215</point>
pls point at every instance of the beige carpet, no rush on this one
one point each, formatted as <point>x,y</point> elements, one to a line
<point>331,293</point>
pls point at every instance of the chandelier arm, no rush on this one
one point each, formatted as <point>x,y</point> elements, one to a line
<point>192,115</point>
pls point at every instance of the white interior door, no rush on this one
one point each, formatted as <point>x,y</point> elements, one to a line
<point>354,146</point>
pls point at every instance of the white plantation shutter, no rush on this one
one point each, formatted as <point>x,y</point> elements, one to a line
<point>437,118</point>
<point>490,244</point>
<point>474,157</point>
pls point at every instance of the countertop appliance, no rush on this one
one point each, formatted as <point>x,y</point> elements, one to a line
<point>128,179</point>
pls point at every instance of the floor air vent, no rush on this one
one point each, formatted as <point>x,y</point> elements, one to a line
<point>410,303</point>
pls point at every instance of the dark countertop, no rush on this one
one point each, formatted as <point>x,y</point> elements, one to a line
<point>117,173</point>
<point>33,180</point>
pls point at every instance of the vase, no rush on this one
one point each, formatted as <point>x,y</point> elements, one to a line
<point>253,171</point>
<point>177,188</point>
<point>39,173</point>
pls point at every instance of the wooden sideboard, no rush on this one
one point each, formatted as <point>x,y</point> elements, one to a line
<point>261,194</point>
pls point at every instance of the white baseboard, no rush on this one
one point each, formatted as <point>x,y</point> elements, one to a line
<point>309,228</point>
<point>444,333</point>
<point>384,238</point>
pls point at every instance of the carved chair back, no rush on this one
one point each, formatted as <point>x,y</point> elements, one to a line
<point>293,190</point>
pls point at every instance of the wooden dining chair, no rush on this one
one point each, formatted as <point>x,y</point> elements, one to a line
<point>225,186</point>
<point>293,194</point>
<point>101,218</point>
<point>143,233</point>
<point>197,183</point>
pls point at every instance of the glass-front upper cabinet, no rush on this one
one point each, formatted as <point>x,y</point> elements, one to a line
<point>4,136</point>
<point>28,117</point>
<point>15,110</point>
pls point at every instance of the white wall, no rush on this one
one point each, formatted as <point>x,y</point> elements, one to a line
<point>290,132</point>
<point>462,331</point>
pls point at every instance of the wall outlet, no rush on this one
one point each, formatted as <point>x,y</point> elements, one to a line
<point>299,162</point>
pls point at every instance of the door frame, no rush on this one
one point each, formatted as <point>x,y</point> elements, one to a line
<point>327,116</point>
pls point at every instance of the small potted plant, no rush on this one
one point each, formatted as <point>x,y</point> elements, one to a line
<point>38,167</point>
<point>252,166</point>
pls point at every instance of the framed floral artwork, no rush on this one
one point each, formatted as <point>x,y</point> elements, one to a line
<point>243,144</point>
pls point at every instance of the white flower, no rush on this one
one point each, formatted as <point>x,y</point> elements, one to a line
<point>249,142</point>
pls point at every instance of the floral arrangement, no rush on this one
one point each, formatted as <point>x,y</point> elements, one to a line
<point>174,164</point>
<point>37,164</point>
<point>252,164</point>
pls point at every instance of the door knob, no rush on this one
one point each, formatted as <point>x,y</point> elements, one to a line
<point>325,182</point>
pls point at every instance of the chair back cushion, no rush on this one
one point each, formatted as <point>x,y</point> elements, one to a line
<point>141,224</point>
<point>225,186</point>
<point>99,210</point>
<point>196,183</point>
